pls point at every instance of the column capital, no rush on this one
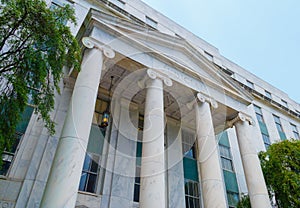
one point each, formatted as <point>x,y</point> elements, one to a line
<point>203,98</point>
<point>90,43</point>
<point>240,117</point>
<point>154,74</point>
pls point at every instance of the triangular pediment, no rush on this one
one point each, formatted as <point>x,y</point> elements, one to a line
<point>174,51</point>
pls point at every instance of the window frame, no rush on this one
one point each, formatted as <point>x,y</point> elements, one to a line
<point>195,196</point>
<point>151,22</point>
<point>249,84</point>
<point>226,159</point>
<point>268,94</point>
<point>295,131</point>
<point>90,173</point>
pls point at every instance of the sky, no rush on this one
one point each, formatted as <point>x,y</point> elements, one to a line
<point>262,36</point>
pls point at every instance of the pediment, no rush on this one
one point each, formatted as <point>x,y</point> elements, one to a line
<point>175,52</point>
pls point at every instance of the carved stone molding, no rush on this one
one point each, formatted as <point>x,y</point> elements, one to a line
<point>203,98</point>
<point>6,204</point>
<point>91,43</point>
<point>240,117</point>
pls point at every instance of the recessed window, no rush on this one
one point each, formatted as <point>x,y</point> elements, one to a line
<point>279,127</point>
<point>250,84</point>
<point>89,173</point>
<point>139,146</point>
<point>119,3</point>
<point>295,131</point>
<point>268,94</point>
<point>137,181</point>
<point>192,194</point>
<point>151,22</point>
<point>262,126</point>
<point>284,103</point>
<point>266,139</point>
<point>258,113</point>
<point>208,56</point>
<point>226,159</point>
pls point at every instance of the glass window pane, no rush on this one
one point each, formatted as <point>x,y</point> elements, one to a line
<point>197,204</point>
<point>191,189</point>
<point>91,183</point>
<point>279,127</point>
<point>87,161</point>
<point>187,202</point>
<point>296,135</point>
<point>186,187</point>
<point>82,181</point>
<point>196,190</point>
<point>191,202</point>
<point>94,166</point>
<point>136,196</point>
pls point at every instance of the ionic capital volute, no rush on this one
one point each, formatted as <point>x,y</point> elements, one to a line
<point>202,98</point>
<point>241,117</point>
<point>90,43</point>
<point>154,74</point>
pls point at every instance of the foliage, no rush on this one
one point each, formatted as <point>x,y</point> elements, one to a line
<point>244,202</point>
<point>35,44</point>
<point>281,168</point>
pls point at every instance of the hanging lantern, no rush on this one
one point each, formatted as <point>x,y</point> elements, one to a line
<point>105,119</point>
<point>106,113</point>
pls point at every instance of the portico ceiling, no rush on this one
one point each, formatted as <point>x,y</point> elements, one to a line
<point>176,97</point>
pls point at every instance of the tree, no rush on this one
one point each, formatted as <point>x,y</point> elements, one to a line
<point>281,168</point>
<point>244,202</point>
<point>35,44</point>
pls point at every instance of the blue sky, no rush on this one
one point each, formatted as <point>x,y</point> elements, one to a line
<point>262,36</point>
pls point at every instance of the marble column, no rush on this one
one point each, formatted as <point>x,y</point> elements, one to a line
<point>152,190</point>
<point>62,185</point>
<point>213,190</point>
<point>256,185</point>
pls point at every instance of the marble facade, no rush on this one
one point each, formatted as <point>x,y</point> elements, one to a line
<point>161,75</point>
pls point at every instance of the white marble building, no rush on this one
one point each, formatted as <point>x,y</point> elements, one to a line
<point>184,130</point>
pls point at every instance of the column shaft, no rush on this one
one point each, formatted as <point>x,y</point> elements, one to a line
<point>254,177</point>
<point>62,186</point>
<point>210,169</point>
<point>152,191</point>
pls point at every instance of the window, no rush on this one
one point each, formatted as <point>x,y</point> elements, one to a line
<point>268,94</point>
<point>91,168</point>
<point>278,123</point>
<point>139,146</point>
<point>258,113</point>
<point>190,168</point>
<point>9,152</point>
<point>266,139</point>
<point>284,103</point>
<point>230,180</point>
<point>151,22</point>
<point>233,199</point>
<point>89,173</point>
<point>55,4</point>
<point>119,3</point>
<point>226,159</point>
<point>250,84</point>
<point>208,56</point>
<point>188,147</point>
<point>295,131</point>
<point>279,127</point>
<point>137,181</point>
<point>262,126</point>
<point>192,194</point>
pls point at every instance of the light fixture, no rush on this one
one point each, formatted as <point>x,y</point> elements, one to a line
<point>106,113</point>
